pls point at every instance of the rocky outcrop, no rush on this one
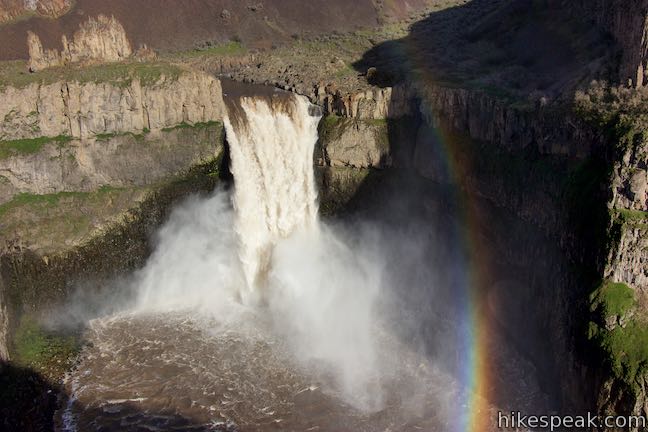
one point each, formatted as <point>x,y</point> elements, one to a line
<point>355,143</point>
<point>84,110</point>
<point>630,177</point>
<point>13,9</point>
<point>628,260</point>
<point>372,103</point>
<point>101,40</point>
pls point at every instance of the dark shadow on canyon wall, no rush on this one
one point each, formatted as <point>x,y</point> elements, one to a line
<point>528,225</point>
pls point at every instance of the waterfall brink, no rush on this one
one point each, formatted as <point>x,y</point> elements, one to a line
<point>271,139</point>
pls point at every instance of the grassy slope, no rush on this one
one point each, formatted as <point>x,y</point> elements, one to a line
<point>15,73</point>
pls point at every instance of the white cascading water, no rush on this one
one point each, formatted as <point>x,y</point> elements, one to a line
<point>319,290</point>
<point>271,146</point>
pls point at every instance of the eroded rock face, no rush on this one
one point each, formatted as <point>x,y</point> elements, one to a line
<point>373,103</point>
<point>628,256</point>
<point>628,262</point>
<point>12,9</point>
<point>358,144</point>
<point>83,110</point>
<point>102,39</point>
<point>630,179</point>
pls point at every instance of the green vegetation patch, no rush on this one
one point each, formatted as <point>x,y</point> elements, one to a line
<point>329,122</point>
<point>625,346</point>
<point>15,73</point>
<point>626,349</point>
<point>47,352</point>
<point>110,135</point>
<point>199,125</point>
<point>28,145</point>
<point>227,49</point>
<point>613,299</point>
<point>50,200</point>
<point>631,217</point>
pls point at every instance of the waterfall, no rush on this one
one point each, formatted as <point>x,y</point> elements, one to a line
<point>260,252</point>
<point>320,289</point>
<point>271,141</point>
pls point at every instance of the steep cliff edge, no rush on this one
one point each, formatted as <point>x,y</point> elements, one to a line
<point>79,135</point>
<point>88,106</point>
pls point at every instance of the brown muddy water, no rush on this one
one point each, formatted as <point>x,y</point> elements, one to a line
<point>186,372</point>
<point>176,372</point>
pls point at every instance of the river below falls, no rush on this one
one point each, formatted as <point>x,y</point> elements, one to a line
<point>182,372</point>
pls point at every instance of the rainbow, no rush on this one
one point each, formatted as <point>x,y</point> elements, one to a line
<point>473,413</point>
<point>473,326</point>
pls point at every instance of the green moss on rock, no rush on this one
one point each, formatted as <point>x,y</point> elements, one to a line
<point>613,299</point>
<point>28,145</point>
<point>619,334</point>
<point>626,349</point>
<point>631,217</point>
<point>47,352</point>
<point>199,125</point>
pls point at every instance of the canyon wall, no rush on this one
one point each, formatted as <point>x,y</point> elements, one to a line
<point>88,169</point>
<point>87,109</point>
<point>554,169</point>
<point>628,258</point>
<point>79,136</point>
<point>447,116</point>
